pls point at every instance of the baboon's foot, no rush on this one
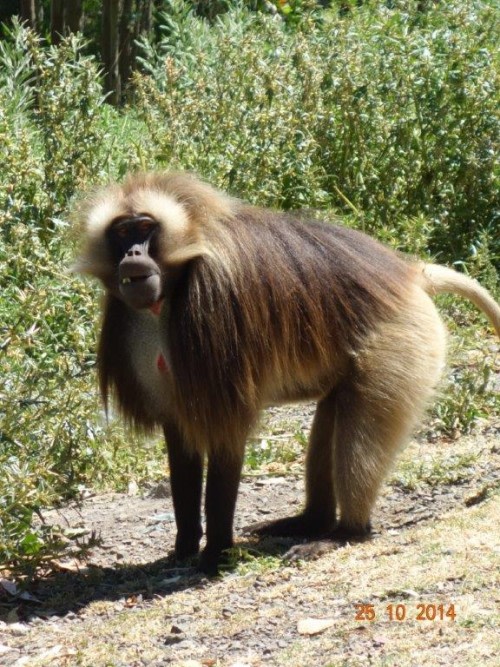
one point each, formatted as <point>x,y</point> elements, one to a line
<point>301,525</point>
<point>337,538</point>
<point>186,546</point>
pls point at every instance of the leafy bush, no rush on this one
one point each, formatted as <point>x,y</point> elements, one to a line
<point>54,130</point>
<point>390,113</point>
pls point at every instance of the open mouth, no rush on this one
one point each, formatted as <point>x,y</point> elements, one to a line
<point>134,279</point>
<point>141,291</point>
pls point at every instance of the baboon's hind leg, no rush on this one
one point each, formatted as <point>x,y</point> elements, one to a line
<point>318,517</point>
<point>377,406</point>
<point>368,435</point>
<point>377,409</point>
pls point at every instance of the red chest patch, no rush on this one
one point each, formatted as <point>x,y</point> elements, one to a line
<point>156,307</point>
<point>161,364</point>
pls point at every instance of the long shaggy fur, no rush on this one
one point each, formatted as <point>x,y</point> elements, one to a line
<point>281,321</point>
<point>264,309</point>
<point>260,307</point>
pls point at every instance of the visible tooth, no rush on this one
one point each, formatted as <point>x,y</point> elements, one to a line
<point>126,280</point>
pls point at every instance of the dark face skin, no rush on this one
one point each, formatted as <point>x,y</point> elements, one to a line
<point>133,243</point>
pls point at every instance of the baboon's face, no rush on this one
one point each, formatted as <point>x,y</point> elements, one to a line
<point>133,245</point>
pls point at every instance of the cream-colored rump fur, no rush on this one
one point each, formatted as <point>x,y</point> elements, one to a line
<point>394,379</point>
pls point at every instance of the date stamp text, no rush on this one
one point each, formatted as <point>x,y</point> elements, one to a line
<point>423,611</point>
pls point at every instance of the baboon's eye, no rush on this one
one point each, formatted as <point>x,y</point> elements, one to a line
<point>122,231</point>
<point>145,227</point>
<point>134,229</point>
<point>120,227</point>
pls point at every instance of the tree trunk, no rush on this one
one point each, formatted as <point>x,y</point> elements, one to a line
<point>123,21</point>
<point>56,21</point>
<point>109,49</point>
<point>145,22</point>
<point>73,14</point>
<point>136,20</point>
<point>39,14</point>
<point>28,13</point>
<point>128,20</point>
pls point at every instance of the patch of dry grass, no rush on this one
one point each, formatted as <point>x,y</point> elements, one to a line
<point>451,561</point>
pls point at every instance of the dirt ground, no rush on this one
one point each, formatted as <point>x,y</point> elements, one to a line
<point>423,591</point>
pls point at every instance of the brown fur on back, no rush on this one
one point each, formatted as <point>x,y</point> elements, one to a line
<point>278,320</point>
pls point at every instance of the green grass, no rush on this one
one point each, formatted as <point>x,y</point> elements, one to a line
<point>271,449</point>
<point>440,472</point>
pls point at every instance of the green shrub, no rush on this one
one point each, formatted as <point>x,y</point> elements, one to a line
<point>387,115</point>
<point>57,136</point>
<point>391,113</point>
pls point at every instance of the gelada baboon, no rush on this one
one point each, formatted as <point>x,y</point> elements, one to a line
<point>215,308</point>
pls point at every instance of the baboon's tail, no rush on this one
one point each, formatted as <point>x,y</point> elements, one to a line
<point>437,278</point>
